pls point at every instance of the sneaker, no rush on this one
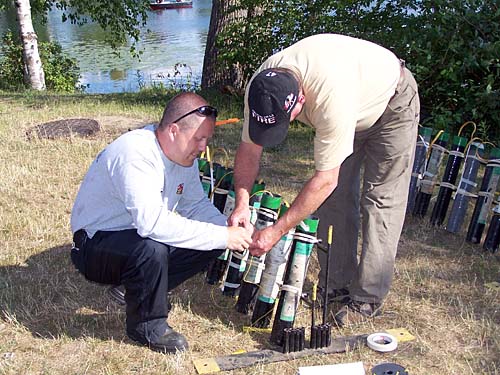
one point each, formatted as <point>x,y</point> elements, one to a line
<point>335,295</point>
<point>170,342</point>
<point>356,312</point>
<point>117,294</point>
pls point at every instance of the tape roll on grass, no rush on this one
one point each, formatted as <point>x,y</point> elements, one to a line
<point>382,342</point>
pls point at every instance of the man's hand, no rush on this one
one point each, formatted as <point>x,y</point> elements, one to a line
<point>240,217</point>
<point>239,238</point>
<point>264,240</point>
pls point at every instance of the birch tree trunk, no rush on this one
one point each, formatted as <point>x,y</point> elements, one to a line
<point>226,78</point>
<point>34,76</point>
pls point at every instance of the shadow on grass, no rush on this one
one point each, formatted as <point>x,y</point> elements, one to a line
<point>207,301</point>
<point>48,297</point>
<point>442,267</point>
<point>51,299</point>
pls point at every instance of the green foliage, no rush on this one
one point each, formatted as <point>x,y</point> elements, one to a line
<point>452,47</point>
<point>61,72</point>
<point>11,64</point>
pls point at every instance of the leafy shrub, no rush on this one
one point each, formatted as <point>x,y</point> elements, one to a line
<point>11,64</point>
<point>451,46</point>
<point>61,72</point>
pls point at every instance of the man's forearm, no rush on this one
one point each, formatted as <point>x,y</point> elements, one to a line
<point>312,195</point>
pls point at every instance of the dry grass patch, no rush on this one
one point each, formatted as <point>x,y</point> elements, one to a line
<point>53,321</point>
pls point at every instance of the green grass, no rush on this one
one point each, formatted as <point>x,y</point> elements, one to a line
<point>52,321</point>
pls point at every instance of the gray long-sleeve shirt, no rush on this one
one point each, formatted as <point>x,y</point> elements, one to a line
<point>132,185</point>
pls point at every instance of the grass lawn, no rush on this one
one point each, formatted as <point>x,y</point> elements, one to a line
<point>52,321</point>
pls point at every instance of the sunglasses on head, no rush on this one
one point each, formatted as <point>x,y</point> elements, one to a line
<point>204,110</point>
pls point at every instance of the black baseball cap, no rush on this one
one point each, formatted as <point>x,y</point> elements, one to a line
<point>272,95</point>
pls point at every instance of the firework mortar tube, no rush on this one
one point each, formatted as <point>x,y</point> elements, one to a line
<point>219,197</point>
<point>224,186</point>
<point>304,240</point>
<point>465,186</point>
<point>237,260</point>
<point>272,278</point>
<point>485,197</point>
<point>267,215</point>
<point>216,267</point>
<point>492,239</point>
<point>447,185</point>
<point>430,176</point>
<point>424,139</point>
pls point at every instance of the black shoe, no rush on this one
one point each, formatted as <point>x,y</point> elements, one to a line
<point>356,312</point>
<point>170,342</point>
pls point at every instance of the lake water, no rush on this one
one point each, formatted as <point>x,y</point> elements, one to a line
<point>175,37</point>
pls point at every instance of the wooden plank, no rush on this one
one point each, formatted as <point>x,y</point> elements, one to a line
<point>236,361</point>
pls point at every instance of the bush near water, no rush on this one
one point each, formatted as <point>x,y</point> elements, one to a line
<point>61,72</point>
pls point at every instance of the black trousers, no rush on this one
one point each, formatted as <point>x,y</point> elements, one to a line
<point>148,270</point>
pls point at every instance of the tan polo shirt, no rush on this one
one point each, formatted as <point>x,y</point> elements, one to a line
<point>347,84</point>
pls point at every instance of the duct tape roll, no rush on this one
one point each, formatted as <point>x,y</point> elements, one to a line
<point>382,342</point>
<point>389,368</point>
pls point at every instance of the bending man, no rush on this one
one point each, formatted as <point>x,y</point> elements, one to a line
<point>363,105</point>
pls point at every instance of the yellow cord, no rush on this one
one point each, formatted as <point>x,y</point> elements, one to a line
<point>262,191</point>
<point>218,183</point>
<point>432,142</point>
<point>465,124</point>
<point>477,151</point>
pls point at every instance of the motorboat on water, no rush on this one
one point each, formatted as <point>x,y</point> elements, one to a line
<point>170,4</point>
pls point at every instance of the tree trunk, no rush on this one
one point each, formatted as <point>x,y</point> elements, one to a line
<point>34,76</point>
<point>215,75</point>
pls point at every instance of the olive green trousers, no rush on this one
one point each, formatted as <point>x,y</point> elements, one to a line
<point>382,158</point>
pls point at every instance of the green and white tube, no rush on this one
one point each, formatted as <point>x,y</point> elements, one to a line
<point>272,278</point>
<point>266,216</point>
<point>304,240</point>
<point>237,261</point>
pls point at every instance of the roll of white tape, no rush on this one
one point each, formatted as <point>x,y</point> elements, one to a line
<point>382,342</point>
